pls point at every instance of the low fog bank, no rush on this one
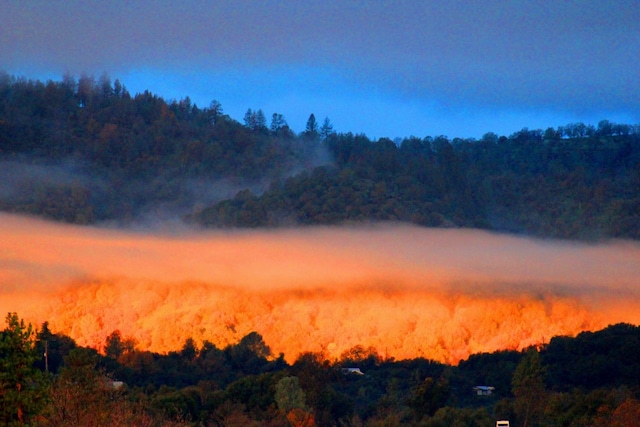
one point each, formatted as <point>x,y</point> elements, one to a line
<point>404,290</point>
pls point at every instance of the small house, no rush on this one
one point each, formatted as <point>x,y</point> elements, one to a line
<point>484,390</point>
<point>355,371</point>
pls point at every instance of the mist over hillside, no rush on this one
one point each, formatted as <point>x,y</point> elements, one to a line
<point>208,262</point>
<point>86,151</point>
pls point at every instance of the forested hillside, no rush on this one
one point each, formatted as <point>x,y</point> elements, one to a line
<point>592,379</point>
<point>87,151</point>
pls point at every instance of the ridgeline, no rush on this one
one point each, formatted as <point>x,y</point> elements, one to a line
<point>86,151</point>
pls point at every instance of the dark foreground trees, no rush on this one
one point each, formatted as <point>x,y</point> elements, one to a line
<point>244,384</point>
<point>23,388</point>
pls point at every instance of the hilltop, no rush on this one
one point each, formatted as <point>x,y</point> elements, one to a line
<point>86,151</point>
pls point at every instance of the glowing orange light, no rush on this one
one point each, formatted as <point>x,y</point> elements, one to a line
<point>405,291</point>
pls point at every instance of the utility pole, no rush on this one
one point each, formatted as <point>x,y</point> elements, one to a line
<point>46,355</point>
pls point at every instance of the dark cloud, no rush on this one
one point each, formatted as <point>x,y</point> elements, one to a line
<point>578,57</point>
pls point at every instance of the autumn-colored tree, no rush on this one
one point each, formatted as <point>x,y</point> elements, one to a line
<point>79,392</point>
<point>301,418</point>
<point>626,415</point>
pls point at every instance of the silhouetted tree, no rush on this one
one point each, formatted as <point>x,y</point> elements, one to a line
<point>311,129</point>
<point>278,123</point>
<point>326,129</point>
<point>53,347</point>
<point>116,346</point>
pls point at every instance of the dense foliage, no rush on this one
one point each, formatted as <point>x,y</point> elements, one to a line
<point>546,184</point>
<point>593,379</point>
<point>87,151</point>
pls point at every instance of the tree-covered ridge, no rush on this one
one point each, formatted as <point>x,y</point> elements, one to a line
<point>87,151</point>
<point>545,184</point>
<point>48,380</point>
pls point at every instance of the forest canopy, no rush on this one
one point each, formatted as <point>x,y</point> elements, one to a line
<point>49,380</point>
<point>87,151</point>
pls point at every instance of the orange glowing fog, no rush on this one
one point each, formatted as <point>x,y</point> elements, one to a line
<point>406,291</point>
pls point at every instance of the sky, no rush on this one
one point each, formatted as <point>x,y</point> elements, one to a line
<point>458,68</point>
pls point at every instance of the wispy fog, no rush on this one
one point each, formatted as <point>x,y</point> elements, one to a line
<point>22,174</point>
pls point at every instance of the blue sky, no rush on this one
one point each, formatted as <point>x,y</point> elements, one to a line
<point>384,68</point>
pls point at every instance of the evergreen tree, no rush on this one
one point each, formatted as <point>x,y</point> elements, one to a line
<point>278,122</point>
<point>249,119</point>
<point>529,388</point>
<point>116,346</point>
<point>215,111</point>
<point>311,130</point>
<point>326,129</point>
<point>260,120</point>
<point>255,120</point>
<point>22,386</point>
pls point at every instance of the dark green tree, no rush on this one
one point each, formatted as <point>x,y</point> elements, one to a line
<point>289,395</point>
<point>429,396</point>
<point>529,388</point>
<point>23,388</point>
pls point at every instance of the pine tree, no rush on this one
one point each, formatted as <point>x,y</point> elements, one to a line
<point>22,386</point>
<point>326,129</point>
<point>249,119</point>
<point>277,123</point>
<point>311,129</point>
<point>260,120</point>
